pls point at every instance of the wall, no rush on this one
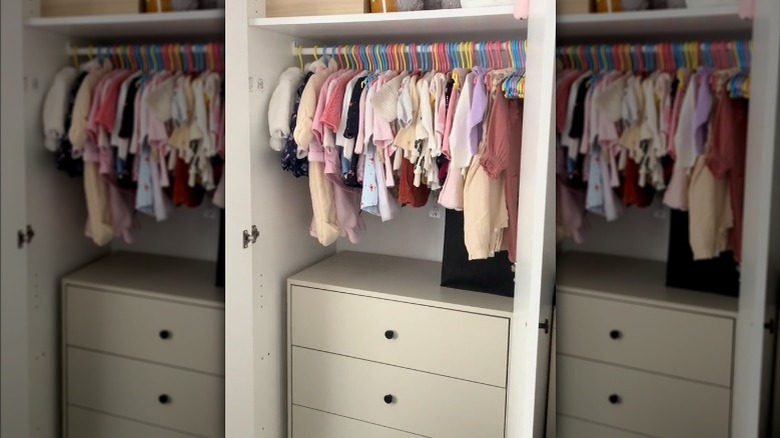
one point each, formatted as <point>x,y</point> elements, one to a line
<point>191,233</point>
<point>412,234</point>
<point>641,233</point>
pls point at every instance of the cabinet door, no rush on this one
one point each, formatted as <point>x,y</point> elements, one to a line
<point>760,272</point>
<point>13,300</point>
<point>535,269</point>
<point>259,194</point>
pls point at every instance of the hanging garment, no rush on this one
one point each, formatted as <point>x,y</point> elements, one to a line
<point>726,160</point>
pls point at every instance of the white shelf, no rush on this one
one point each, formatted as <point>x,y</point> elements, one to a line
<point>715,23</point>
<point>418,26</point>
<point>189,24</point>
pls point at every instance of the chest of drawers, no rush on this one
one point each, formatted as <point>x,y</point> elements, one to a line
<point>143,349</point>
<point>377,348</point>
<point>635,358</point>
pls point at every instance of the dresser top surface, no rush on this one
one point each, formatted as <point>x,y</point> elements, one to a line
<point>404,279</point>
<point>634,280</point>
<point>152,275</point>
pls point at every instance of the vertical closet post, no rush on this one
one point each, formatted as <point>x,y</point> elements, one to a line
<point>760,276</point>
<point>239,330</point>
<point>14,365</point>
<point>535,266</point>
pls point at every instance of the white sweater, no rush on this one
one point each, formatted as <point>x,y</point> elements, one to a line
<point>280,107</point>
<point>56,105</point>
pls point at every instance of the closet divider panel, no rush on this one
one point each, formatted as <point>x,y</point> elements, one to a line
<point>260,195</point>
<point>281,209</point>
<point>239,301</point>
<point>760,269</point>
<point>535,267</point>
<point>282,212</point>
<point>14,331</point>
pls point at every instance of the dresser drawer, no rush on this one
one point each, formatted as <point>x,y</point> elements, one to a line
<point>83,423</point>
<point>308,423</point>
<point>133,389</point>
<point>682,344</point>
<point>646,403</point>
<point>160,331</point>
<point>451,343</point>
<point>422,403</point>
<point>568,427</point>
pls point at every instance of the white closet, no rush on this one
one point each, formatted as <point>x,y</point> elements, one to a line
<point>644,233</point>
<point>261,194</point>
<point>34,193</point>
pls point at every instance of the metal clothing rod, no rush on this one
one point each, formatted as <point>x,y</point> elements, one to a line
<point>434,56</point>
<point>152,57</point>
<point>459,47</point>
<point>660,56</point>
<point>132,49</point>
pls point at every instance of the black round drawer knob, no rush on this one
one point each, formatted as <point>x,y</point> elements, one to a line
<point>165,334</point>
<point>164,399</point>
<point>389,334</point>
<point>389,399</point>
<point>614,399</point>
<point>615,334</point>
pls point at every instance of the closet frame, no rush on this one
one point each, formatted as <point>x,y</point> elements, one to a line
<point>261,194</point>
<point>760,269</point>
<point>35,193</point>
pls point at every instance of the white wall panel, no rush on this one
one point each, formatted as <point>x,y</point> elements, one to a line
<point>412,234</point>
<point>638,232</point>
<point>189,232</point>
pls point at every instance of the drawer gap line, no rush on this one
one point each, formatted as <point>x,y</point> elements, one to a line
<point>362,421</point>
<point>490,313</point>
<point>677,307</point>
<point>398,366</point>
<point>152,296</point>
<point>584,420</point>
<point>135,420</point>
<point>642,370</point>
<point>138,359</point>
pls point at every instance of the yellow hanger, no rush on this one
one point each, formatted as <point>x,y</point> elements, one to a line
<point>300,56</point>
<point>89,52</point>
<point>315,52</point>
<point>75,53</point>
<point>403,50</point>
<point>368,56</point>
<point>512,61</point>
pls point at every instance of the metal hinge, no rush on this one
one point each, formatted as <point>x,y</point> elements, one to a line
<point>24,237</point>
<point>545,326</point>
<point>251,238</point>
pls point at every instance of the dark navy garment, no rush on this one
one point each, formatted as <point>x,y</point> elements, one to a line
<point>353,111</point>
<point>290,161</point>
<point>63,157</point>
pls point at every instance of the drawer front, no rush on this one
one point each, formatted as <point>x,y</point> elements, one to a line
<point>160,331</point>
<point>308,423</point>
<point>568,427</point>
<point>132,389</point>
<point>422,403</point>
<point>83,423</point>
<point>647,403</point>
<point>681,344</point>
<point>456,344</point>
